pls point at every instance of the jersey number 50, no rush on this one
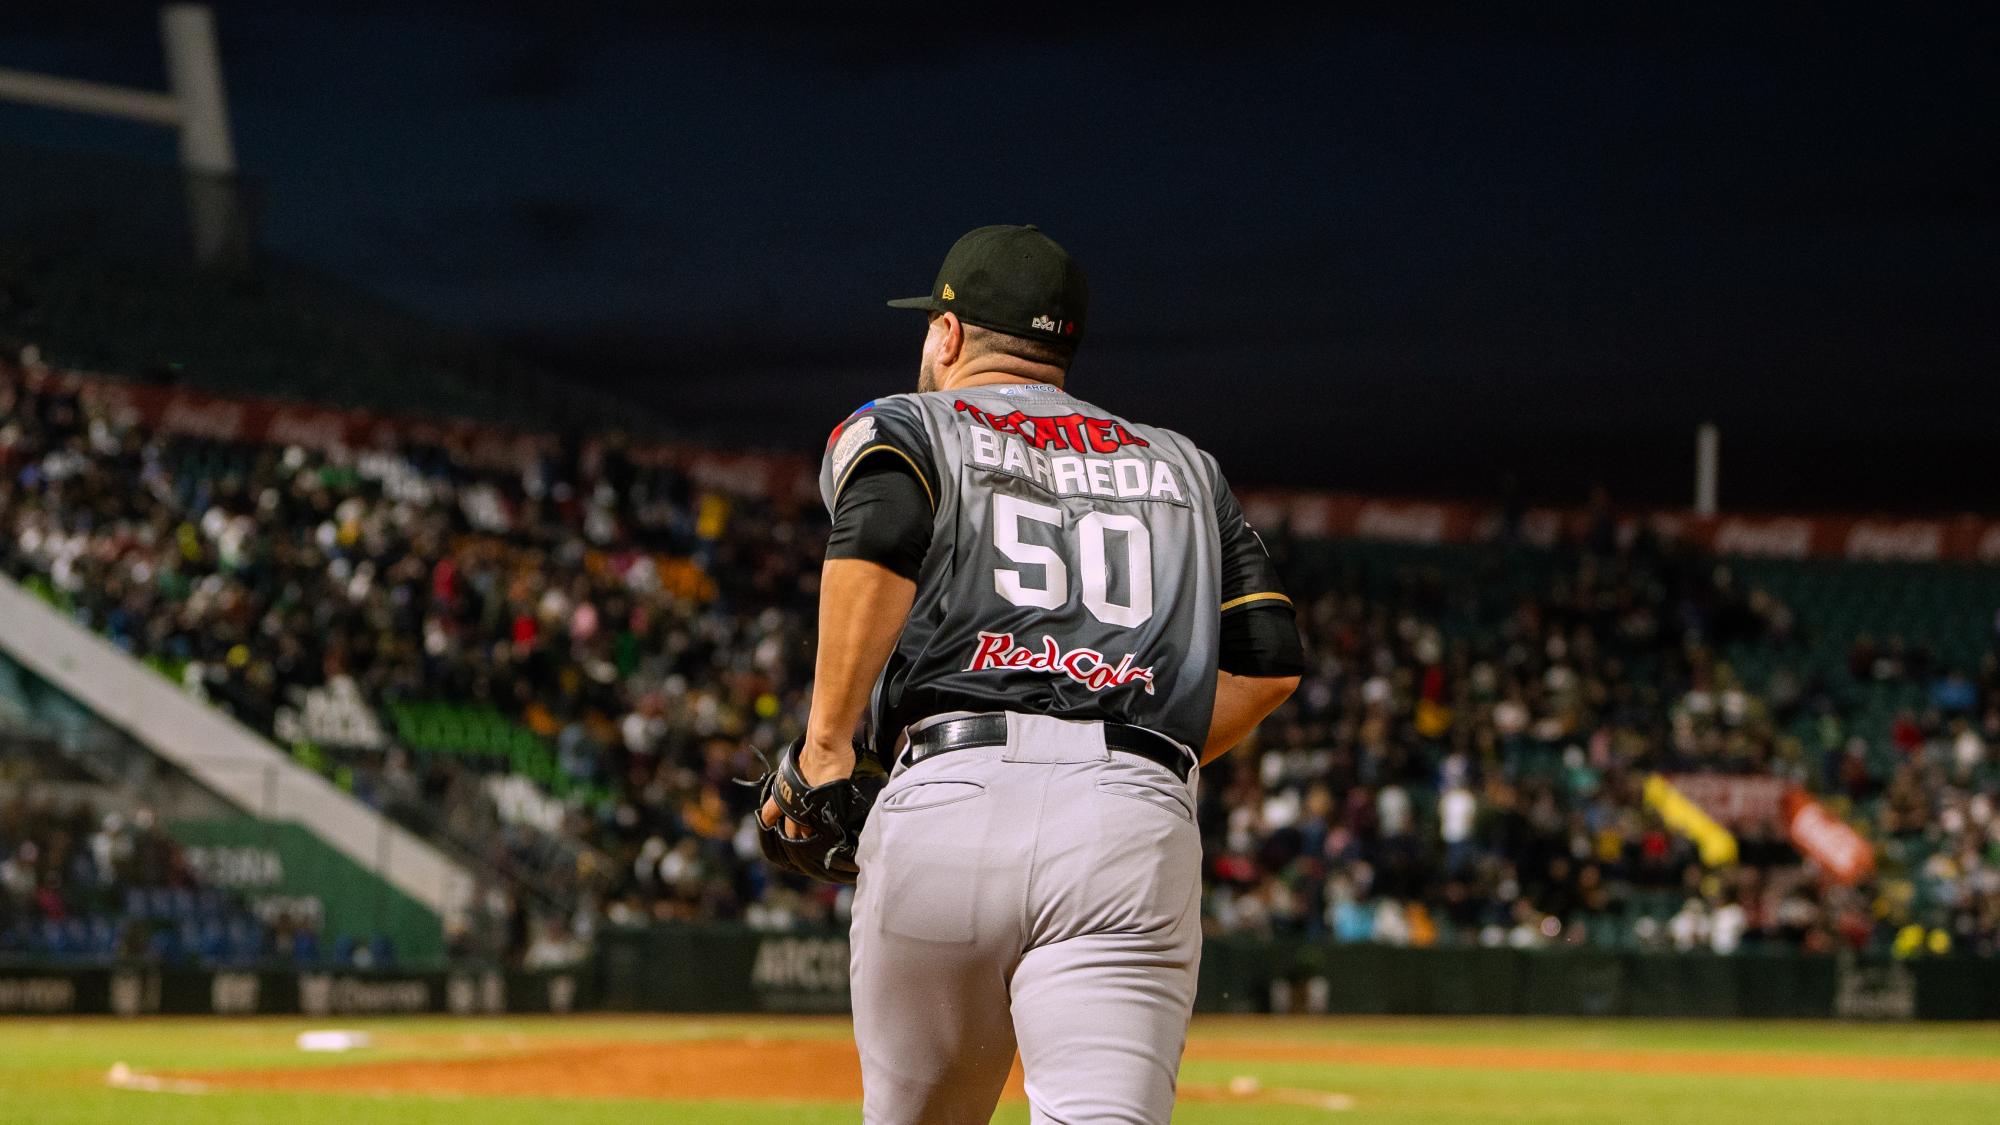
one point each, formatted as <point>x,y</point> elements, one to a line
<point>1092,532</point>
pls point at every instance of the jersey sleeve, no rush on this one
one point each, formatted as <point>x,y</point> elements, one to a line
<point>1260,632</point>
<point>882,517</point>
<point>1249,579</point>
<point>889,427</point>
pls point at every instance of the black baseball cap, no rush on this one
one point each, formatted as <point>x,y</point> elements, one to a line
<point>1010,279</point>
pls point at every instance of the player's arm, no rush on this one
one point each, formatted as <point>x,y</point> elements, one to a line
<point>1241,702</point>
<point>862,608</point>
<point>1257,669</point>
<point>881,531</point>
<point>1259,659</point>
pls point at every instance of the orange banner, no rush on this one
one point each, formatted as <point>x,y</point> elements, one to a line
<point>1826,839</point>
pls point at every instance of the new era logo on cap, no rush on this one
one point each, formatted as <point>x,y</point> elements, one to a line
<point>1011,279</point>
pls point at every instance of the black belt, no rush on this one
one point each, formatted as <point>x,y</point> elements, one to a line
<point>991,730</point>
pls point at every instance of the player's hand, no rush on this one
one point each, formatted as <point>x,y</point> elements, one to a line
<point>819,763</point>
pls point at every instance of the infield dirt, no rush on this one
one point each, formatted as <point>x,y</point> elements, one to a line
<point>748,1068</point>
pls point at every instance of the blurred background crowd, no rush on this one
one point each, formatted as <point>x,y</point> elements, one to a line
<point>561,673</point>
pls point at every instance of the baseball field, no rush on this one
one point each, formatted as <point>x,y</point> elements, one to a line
<point>799,1071</point>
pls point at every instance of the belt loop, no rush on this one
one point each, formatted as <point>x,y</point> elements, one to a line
<point>1052,741</point>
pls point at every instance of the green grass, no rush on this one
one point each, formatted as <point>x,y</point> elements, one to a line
<point>52,1073</point>
<point>1930,1040</point>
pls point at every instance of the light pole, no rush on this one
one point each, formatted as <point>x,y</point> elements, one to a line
<point>194,105</point>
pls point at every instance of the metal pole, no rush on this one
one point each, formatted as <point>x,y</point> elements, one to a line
<point>194,75</point>
<point>89,97</point>
<point>208,157</point>
<point>1707,467</point>
<point>195,106</point>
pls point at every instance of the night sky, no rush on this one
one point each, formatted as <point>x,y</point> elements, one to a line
<point>1384,251</point>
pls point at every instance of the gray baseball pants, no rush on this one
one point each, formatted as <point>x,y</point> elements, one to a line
<point>1044,895</point>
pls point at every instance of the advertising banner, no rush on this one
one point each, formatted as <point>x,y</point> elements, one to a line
<point>753,972</point>
<point>1309,513</point>
<point>53,992</point>
<point>1827,840</point>
<point>282,869</point>
<point>178,410</point>
<point>146,990</point>
<point>1313,514</point>
<point>1738,803</point>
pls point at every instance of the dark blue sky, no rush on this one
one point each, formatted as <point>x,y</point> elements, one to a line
<point>1378,249</point>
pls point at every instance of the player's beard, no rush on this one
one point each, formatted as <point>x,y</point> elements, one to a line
<point>926,376</point>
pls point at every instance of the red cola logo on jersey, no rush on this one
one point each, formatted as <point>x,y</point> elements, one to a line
<point>1079,432</point>
<point>1086,666</point>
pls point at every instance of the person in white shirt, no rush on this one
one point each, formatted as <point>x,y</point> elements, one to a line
<point>1457,809</point>
<point>1689,927</point>
<point>1726,928</point>
<point>1392,808</point>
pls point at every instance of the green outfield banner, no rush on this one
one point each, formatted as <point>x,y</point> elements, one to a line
<point>281,868</point>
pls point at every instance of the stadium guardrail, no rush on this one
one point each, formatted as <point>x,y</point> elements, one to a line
<point>734,969</point>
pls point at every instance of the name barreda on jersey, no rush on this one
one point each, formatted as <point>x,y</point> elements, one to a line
<point>1019,445</point>
<point>1086,666</point>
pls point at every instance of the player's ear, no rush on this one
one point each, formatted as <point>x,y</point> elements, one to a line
<point>951,339</point>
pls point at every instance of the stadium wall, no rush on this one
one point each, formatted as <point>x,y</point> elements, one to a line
<point>731,969</point>
<point>734,969</point>
<point>57,990</point>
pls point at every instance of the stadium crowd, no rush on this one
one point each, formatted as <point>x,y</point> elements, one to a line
<point>1459,765</point>
<point>648,633</point>
<point>1490,786</point>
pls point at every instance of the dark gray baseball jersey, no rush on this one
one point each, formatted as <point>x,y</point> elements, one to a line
<point>1079,562</point>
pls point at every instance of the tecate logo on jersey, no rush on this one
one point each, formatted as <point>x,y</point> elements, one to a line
<point>1079,432</point>
<point>1086,666</point>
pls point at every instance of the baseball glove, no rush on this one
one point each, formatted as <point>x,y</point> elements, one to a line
<point>832,814</point>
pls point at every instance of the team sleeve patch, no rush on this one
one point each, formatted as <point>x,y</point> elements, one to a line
<point>848,442</point>
<point>884,425</point>
<point>833,438</point>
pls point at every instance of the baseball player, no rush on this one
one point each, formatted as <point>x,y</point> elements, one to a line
<point>1044,618</point>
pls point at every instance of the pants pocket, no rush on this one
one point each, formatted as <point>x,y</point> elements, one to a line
<point>1165,800</point>
<point>929,794</point>
<point>1144,871</point>
<point>929,864</point>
